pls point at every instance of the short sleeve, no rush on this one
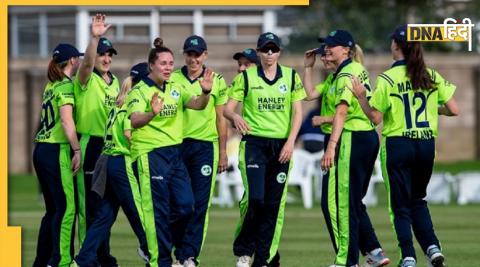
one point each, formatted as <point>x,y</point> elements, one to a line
<point>237,88</point>
<point>298,89</point>
<point>222,97</point>
<point>381,96</point>
<point>343,92</point>
<point>445,88</point>
<point>320,88</point>
<point>135,102</point>
<point>64,94</point>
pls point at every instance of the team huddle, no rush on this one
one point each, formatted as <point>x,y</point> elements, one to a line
<point>154,145</point>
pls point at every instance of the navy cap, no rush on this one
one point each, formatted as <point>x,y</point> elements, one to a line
<point>266,38</point>
<point>339,37</point>
<point>63,52</point>
<point>139,71</point>
<point>194,43</point>
<point>104,46</point>
<point>248,53</point>
<point>400,33</point>
<point>320,50</point>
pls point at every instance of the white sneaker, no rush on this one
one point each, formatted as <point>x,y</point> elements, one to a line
<point>244,261</point>
<point>435,257</point>
<point>189,263</point>
<point>376,258</point>
<point>177,264</point>
<point>408,262</point>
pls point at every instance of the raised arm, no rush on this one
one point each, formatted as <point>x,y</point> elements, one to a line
<point>308,63</point>
<point>98,29</point>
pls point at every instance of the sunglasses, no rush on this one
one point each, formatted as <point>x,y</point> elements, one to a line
<point>267,49</point>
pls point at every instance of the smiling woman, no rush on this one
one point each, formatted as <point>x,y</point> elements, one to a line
<point>203,148</point>
<point>156,107</point>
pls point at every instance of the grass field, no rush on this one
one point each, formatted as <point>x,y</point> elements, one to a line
<point>305,241</point>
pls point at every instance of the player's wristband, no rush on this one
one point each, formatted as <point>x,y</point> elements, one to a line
<point>206,92</point>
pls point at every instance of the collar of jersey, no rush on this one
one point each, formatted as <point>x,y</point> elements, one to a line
<point>108,73</point>
<point>344,63</point>
<point>185,74</point>
<point>261,74</point>
<point>399,63</point>
<point>151,83</point>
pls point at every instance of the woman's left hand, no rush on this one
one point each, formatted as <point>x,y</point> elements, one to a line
<point>358,89</point>
<point>207,81</point>
<point>286,153</point>
<point>222,162</point>
<point>328,158</point>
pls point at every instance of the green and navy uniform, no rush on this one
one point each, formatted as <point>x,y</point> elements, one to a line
<point>267,108</point>
<point>327,109</point>
<point>52,162</point>
<point>164,181</point>
<point>346,183</point>
<point>122,190</point>
<point>410,126</point>
<point>200,153</point>
<point>94,100</point>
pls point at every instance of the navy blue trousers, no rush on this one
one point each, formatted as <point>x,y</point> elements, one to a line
<point>118,193</point>
<point>200,159</point>
<point>56,234</point>
<point>262,206</point>
<point>92,152</point>
<point>166,197</point>
<point>409,165</point>
<point>363,147</point>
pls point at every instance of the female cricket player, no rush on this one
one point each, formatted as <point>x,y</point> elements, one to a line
<point>54,162</point>
<point>408,98</point>
<point>120,187</point>
<point>96,90</point>
<point>271,95</point>
<point>203,149</point>
<point>156,108</point>
<point>351,150</point>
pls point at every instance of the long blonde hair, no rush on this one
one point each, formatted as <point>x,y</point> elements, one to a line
<point>356,53</point>
<point>126,86</point>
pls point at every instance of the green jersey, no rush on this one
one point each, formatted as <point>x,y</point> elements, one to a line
<point>94,101</point>
<point>267,105</point>
<point>407,111</point>
<point>201,124</point>
<point>165,129</point>
<point>115,141</point>
<point>327,93</point>
<point>356,119</point>
<point>56,94</point>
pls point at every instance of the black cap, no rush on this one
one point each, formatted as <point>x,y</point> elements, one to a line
<point>400,33</point>
<point>320,50</point>
<point>339,37</point>
<point>104,46</point>
<point>248,53</point>
<point>139,71</point>
<point>266,38</point>
<point>63,52</point>
<point>194,43</point>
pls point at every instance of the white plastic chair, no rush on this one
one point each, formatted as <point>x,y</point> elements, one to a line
<point>371,198</point>
<point>317,175</point>
<point>468,187</point>
<point>226,181</point>
<point>439,189</point>
<point>301,175</point>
